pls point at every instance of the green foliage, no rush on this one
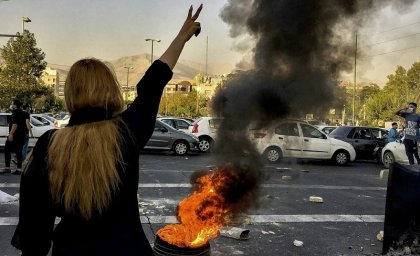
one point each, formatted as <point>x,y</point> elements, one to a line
<point>19,77</point>
<point>402,87</point>
<point>184,104</point>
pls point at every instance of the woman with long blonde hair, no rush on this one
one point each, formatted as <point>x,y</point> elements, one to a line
<point>87,173</point>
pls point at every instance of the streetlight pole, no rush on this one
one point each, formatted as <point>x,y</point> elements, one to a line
<point>25,19</point>
<point>152,40</point>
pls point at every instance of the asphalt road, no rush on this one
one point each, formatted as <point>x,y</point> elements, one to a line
<point>346,223</point>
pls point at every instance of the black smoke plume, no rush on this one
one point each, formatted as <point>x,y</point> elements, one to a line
<point>300,48</point>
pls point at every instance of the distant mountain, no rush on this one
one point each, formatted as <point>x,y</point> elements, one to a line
<point>138,64</point>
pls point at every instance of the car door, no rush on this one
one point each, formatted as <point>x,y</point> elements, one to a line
<point>287,136</point>
<point>363,143</point>
<point>379,136</point>
<point>213,124</point>
<point>181,125</point>
<point>161,137</point>
<point>169,122</point>
<point>4,129</point>
<point>314,144</point>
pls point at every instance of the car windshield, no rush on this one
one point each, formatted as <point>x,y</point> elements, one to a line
<point>339,131</point>
<point>35,122</point>
<point>50,118</point>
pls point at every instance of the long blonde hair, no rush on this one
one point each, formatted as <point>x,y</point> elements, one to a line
<point>83,159</point>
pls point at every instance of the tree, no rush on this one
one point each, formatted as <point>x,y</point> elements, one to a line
<point>189,104</point>
<point>402,87</point>
<point>19,77</point>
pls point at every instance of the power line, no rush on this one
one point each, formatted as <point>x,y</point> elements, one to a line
<point>398,38</point>
<point>392,29</point>
<point>399,50</point>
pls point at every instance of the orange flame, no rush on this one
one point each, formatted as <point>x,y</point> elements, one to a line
<point>202,214</point>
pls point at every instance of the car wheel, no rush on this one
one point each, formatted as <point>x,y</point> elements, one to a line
<point>180,148</point>
<point>388,159</point>
<point>204,145</point>
<point>272,155</point>
<point>341,157</point>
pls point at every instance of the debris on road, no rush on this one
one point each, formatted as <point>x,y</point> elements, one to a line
<point>316,199</point>
<point>298,243</point>
<point>6,198</point>
<point>235,232</point>
<point>380,235</point>
<point>286,177</point>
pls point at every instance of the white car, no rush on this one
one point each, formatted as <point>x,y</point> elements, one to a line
<point>298,139</point>
<point>394,152</point>
<point>205,128</point>
<point>61,123</point>
<point>38,128</point>
<point>45,119</point>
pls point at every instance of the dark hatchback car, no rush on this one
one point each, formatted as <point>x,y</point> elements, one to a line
<point>165,137</point>
<point>363,139</point>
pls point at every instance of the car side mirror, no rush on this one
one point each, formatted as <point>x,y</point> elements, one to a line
<point>163,129</point>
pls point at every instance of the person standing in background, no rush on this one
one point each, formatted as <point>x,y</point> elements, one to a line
<point>29,134</point>
<point>393,134</point>
<point>411,131</point>
<point>15,139</point>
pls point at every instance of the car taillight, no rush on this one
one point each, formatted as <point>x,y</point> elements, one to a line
<point>195,128</point>
<point>259,135</point>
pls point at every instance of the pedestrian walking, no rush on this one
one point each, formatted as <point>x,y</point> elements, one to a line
<point>411,131</point>
<point>29,134</point>
<point>15,139</point>
<point>87,173</point>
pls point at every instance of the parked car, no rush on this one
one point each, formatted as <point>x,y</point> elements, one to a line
<point>363,139</point>
<point>327,129</point>
<point>63,122</point>
<point>205,128</point>
<point>166,137</point>
<point>45,119</point>
<point>38,128</point>
<point>394,152</point>
<point>177,123</point>
<point>298,139</point>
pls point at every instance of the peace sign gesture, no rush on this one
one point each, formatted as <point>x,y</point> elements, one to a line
<point>191,26</point>
<point>188,29</point>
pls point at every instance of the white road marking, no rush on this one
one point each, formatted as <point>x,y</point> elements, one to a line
<point>12,221</point>
<point>187,185</point>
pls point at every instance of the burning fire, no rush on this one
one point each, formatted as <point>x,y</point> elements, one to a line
<point>202,214</point>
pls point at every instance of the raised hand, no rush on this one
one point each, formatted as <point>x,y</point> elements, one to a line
<point>191,26</point>
<point>188,29</point>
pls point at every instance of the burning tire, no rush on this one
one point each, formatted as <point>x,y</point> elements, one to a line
<point>162,248</point>
<point>204,144</point>
<point>341,157</point>
<point>180,148</point>
<point>272,155</point>
<point>388,159</point>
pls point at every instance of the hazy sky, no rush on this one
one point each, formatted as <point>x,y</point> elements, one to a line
<point>68,30</point>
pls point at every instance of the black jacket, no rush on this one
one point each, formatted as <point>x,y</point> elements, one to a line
<point>118,230</point>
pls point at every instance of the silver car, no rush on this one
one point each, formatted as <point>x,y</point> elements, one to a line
<point>165,137</point>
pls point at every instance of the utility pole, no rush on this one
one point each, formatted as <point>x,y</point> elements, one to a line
<point>152,40</point>
<point>354,86</point>
<point>207,53</point>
